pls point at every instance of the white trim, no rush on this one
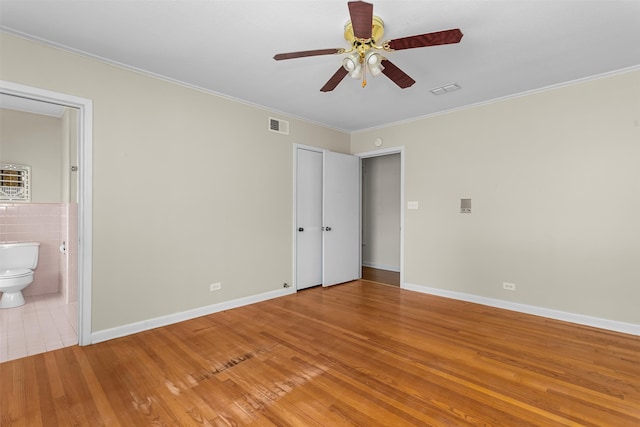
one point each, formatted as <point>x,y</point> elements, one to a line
<point>294,116</point>
<point>502,98</point>
<point>147,73</point>
<point>612,325</point>
<point>145,325</point>
<point>294,244</point>
<point>384,152</point>
<point>85,185</point>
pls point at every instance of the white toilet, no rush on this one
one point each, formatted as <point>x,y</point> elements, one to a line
<point>17,261</point>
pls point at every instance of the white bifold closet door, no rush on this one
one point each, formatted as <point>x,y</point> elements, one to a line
<point>327,218</point>
<point>341,208</point>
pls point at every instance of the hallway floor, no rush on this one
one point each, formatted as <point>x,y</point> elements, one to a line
<point>385,277</point>
<point>43,324</point>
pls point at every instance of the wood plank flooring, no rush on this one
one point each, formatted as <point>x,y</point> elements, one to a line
<point>355,354</point>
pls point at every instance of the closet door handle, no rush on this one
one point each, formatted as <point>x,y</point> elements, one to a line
<point>327,228</point>
<point>300,229</point>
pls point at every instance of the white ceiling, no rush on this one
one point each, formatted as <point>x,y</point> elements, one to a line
<point>226,47</point>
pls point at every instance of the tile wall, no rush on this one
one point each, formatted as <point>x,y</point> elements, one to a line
<point>48,224</point>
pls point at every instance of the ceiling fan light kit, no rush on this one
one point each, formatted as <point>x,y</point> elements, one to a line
<point>363,31</point>
<point>357,65</point>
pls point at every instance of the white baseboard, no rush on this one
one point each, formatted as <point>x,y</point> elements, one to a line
<point>133,328</point>
<point>612,325</point>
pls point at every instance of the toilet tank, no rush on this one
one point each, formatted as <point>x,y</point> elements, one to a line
<point>19,255</point>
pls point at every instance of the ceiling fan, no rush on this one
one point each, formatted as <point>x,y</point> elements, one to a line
<point>363,31</point>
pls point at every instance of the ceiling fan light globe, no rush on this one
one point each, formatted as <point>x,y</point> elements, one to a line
<point>374,63</point>
<point>373,59</point>
<point>376,70</point>
<point>353,66</point>
<point>348,64</point>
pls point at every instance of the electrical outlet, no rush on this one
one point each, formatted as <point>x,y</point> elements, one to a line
<point>509,286</point>
<point>215,287</point>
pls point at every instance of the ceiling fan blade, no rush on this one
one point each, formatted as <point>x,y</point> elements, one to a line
<point>361,18</point>
<point>304,53</point>
<point>398,76</point>
<point>429,39</point>
<point>334,80</point>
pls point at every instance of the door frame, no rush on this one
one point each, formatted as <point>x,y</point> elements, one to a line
<point>385,152</point>
<point>84,107</point>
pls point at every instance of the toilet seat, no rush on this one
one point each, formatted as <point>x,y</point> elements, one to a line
<point>15,274</point>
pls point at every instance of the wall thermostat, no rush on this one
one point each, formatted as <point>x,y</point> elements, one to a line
<point>465,205</point>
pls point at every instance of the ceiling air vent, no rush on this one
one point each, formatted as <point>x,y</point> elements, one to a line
<point>452,87</point>
<point>279,126</point>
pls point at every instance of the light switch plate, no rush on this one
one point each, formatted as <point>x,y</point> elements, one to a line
<point>412,205</point>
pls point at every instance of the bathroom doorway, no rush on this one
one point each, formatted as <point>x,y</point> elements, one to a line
<point>57,313</point>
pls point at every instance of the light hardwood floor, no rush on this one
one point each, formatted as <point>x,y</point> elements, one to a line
<point>355,354</point>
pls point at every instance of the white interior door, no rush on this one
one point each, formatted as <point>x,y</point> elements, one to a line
<point>341,218</point>
<point>308,218</point>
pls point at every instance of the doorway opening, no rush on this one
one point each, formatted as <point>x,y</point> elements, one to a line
<point>75,174</point>
<point>382,215</point>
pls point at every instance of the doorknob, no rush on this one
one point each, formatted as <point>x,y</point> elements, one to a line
<point>327,228</point>
<point>300,229</point>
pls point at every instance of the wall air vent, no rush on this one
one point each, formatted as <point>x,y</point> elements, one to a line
<point>15,183</point>
<point>279,126</point>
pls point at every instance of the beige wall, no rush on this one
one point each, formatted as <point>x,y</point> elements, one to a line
<point>34,140</point>
<point>189,188</point>
<point>554,179</point>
